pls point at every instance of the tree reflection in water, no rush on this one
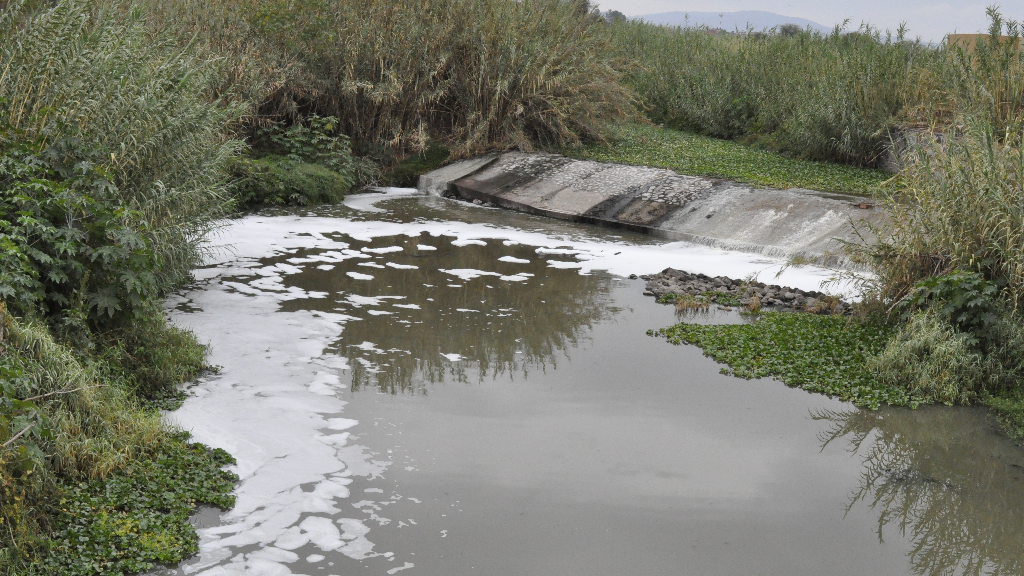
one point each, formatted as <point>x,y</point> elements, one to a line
<point>497,326</point>
<point>943,478</point>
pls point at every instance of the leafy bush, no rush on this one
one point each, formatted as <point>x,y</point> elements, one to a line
<point>275,180</point>
<point>958,341</point>
<point>305,163</point>
<point>964,300</point>
<point>929,358</point>
<point>67,242</point>
<point>112,161</point>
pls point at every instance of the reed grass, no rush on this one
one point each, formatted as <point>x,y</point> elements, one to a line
<point>474,74</point>
<point>139,105</point>
<point>826,97</point>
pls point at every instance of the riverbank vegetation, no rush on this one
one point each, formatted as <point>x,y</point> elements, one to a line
<point>947,270</point>
<point>130,130</point>
<point>700,155</point>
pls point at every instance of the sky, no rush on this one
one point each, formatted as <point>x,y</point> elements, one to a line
<point>929,19</point>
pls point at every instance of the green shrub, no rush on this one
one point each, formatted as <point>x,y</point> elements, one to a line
<point>305,163</point>
<point>112,162</point>
<point>929,358</point>
<point>965,301</point>
<point>274,180</point>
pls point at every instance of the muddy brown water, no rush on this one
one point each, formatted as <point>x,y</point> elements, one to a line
<point>399,403</point>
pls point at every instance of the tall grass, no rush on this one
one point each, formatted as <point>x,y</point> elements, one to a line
<point>986,82</point>
<point>88,82</point>
<point>826,97</point>
<point>477,74</point>
<point>960,212</point>
<point>961,208</point>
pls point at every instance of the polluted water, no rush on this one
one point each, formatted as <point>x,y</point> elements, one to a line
<point>413,385</point>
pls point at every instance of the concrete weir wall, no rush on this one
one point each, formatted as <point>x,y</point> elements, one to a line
<point>720,213</point>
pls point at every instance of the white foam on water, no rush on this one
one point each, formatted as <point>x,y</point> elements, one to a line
<point>366,202</point>
<point>615,256</point>
<point>358,276</point>
<point>370,265</point>
<point>425,247</point>
<point>368,347</point>
<point>513,260</point>
<point>466,274</point>
<point>564,264</point>
<point>357,300</point>
<point>453,357</point>
<point>384,250</point>
<point>402,266</point>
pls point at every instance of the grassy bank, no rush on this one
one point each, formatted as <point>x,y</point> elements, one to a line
<point>697,155</point>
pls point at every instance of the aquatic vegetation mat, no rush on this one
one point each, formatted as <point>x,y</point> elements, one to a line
<point>138,518</point>
<point>825,354</point>
<point>697,155</point>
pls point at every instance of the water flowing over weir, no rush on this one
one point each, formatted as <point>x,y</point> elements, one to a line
<point>419,386</point>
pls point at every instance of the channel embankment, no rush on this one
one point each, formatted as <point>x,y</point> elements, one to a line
<point>793,223</point>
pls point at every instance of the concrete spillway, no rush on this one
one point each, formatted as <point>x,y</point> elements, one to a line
<point>714,212</point>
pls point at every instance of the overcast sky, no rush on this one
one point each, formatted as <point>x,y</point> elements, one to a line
<point>929,19</point>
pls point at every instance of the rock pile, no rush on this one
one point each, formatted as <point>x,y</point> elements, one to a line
<point>728,291</point>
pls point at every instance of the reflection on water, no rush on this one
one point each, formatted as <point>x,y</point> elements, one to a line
<point>945,479</point>
<point>577,444</point>
<point>495,306</point>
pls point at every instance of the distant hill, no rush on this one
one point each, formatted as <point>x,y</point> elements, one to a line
<point>730,21</point>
